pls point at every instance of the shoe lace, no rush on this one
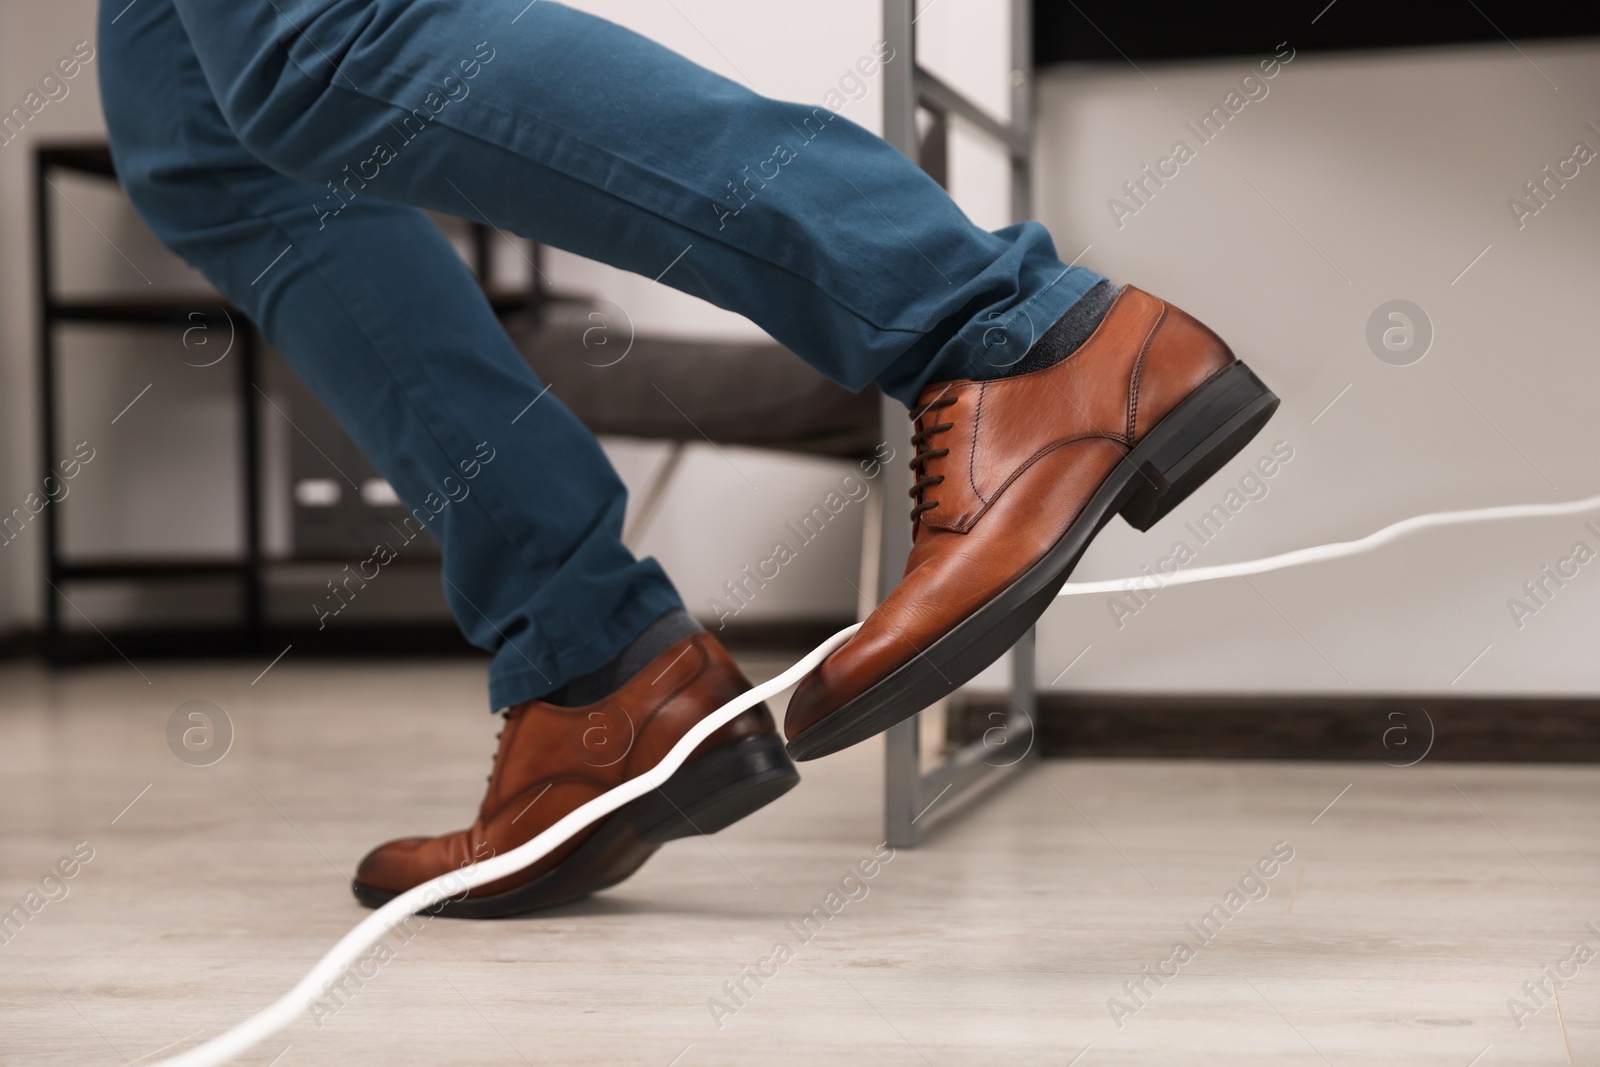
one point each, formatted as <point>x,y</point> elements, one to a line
<point>922,454</point>
<point>495,763</point>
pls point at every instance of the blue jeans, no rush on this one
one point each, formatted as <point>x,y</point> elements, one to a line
<point>284,149</point>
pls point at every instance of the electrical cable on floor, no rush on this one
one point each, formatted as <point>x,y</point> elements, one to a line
<point>366,933</point>
<point>1338,550</point>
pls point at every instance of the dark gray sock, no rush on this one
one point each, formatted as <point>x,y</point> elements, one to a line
<point>662,633</point>
<point>1070,331</point>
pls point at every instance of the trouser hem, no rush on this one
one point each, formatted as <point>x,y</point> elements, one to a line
<point>513,679</point>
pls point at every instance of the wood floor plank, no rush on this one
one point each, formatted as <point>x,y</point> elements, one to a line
<point>1417,903</point>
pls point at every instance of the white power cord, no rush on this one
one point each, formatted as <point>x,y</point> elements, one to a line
<point>367,932</point>
<point>1339,549</point>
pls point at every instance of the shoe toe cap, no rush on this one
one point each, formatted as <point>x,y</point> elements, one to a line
<point>392,867</point>
<point>826,689</point>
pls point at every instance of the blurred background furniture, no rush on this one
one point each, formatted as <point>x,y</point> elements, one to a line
<point>753,394</point>
<point>728,393</point>
<point>747,393</point>
<point>328,529</point>
<point>910,791</point>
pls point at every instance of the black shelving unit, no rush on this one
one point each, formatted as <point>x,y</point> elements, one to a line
<point>254,632</point>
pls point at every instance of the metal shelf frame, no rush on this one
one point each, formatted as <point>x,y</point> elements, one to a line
<point>911,794</point>
<point>54,311</point>
<point>250,565</point>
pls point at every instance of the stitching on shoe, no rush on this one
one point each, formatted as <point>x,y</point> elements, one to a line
<point>970,521</point>
<point>705,662</point>
<point>697,642</point>
<point>972,453</point>
<point>1138,370</point>
<point>540,785</point>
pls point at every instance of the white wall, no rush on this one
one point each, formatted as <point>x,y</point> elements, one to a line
<point>32,37</point>
<point>1396,168</point>
<point>1357,180</point>
<point>163,473</point>
<point>792,52</point>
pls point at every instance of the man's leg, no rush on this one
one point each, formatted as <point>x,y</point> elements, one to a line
<point>572,130</point>
<point>564,127</point>
<point>385,323</point>
<point>379,315</point>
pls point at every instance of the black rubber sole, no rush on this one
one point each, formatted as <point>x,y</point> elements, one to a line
<point>710,794</point>
<point>1195,440</point>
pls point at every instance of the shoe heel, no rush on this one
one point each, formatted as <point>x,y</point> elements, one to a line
<point>720,788</point>
<point>1194,441</point>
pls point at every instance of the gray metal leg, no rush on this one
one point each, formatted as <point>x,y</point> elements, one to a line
<point>1022,108</point>
<point>633,533</point>
<point>914,799</point>
<point>902,783</point>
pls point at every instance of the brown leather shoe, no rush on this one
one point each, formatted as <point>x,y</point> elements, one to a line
<point>552,759</point>
<point>1015,476</point>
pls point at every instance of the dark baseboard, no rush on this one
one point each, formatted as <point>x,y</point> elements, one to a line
<point>166,643</point>
<point>1375,728</point>
<point>20,644</point>
<point>365,641</point>
<point>797,636</point>
<point>1372,728</point>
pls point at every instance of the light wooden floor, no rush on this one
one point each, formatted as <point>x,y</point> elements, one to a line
<point>1415,906</point>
